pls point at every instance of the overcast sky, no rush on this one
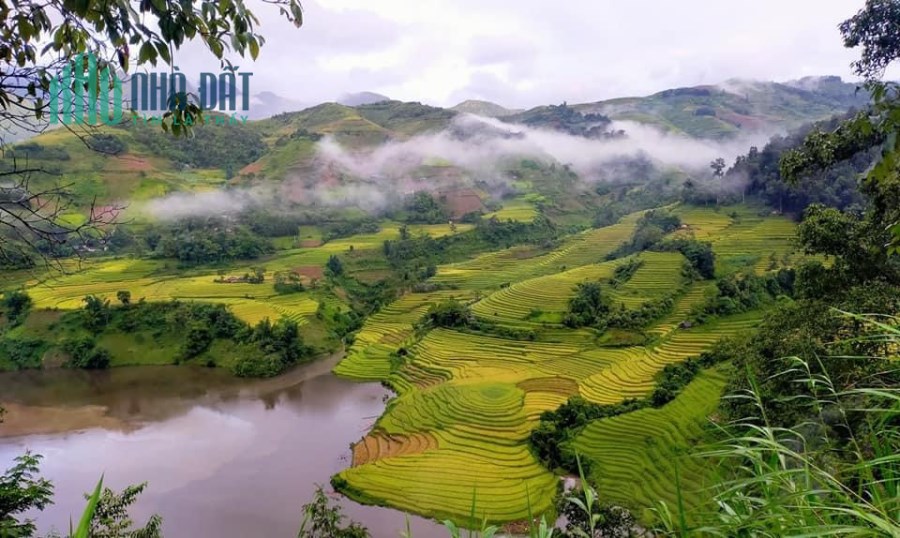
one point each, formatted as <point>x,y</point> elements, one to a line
<point>522,53</point>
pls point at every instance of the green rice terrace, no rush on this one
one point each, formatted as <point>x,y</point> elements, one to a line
<point>467,400</point>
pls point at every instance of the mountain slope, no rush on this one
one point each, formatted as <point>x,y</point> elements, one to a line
<point>483,108</point>
<point>735,106</point>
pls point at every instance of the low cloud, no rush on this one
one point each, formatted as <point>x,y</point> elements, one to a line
<point>472,152</point>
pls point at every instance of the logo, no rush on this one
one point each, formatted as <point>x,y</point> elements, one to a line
<point>80,94</point>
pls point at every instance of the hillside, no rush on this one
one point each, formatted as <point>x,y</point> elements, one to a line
<point>736,106</point>
<point>468,397</point>
<point>144,163</point>
<point>484,108</point>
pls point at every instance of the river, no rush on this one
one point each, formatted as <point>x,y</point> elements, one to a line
<point>224,457</point>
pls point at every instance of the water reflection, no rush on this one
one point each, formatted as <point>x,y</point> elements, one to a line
<point>224,457</point>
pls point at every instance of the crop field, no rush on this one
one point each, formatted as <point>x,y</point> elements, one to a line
<point>466,401</point>
<point>514,264</point>
<point>516,210</point>
<point>384,333</point>
<point>741,238</point>
<point>542,300</point>
<point>635,454</point>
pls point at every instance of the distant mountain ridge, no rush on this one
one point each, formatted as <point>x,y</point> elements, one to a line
<point>362,98</point>
<point>484,108</point>
<point>725,110</point>
<point>287,144</point>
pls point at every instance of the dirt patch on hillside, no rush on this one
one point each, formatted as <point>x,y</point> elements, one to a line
<point>312,272</point>
<point>462,202</point>
<point>252,168</point>
<point>128,163</point>
<point>379,445</point>
<point>311,243</point>
<point>747,123</point>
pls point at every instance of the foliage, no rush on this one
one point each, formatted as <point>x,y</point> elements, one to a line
<point>334,266</point>
<point>21,490</point>
<point>16,305</point>
<point>96,313</point>
<point>422,208</point>
<point>154,31</point>
<point>84,353</point>
<point>550,440</point>
<point>348,228</point>
<point>565,119</point>
<point>124,297</point>
<point>587,516</point>
<point>450,314</point>
<point>758,174</point>
<point>651,228</point>
<point>588,308</point>
<point>200,240</point>
<point>288,282</point>
<point>209,146</point>
<point>110,517</point>
<point>698,253</point>
<point>22,352</point>
<point>277,346</point>
<point>874,129</point>
<point>322,520</point>
<point>634,318</point>
<point>844,346</point>
<point>741,292</point>
<point>834,474</point>
<point>625,271</point>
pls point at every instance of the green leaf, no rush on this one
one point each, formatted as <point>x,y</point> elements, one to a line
<point>84,526</point>
<point>147,53</point>
<point>164,52</point>
<point>254,48</point>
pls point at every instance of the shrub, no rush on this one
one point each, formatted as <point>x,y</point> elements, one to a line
<point>84,353</point>
<point>16,305</point>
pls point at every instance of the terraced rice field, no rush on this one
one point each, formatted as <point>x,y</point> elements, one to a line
<point>250,302</point>
<point>515,210</point>
<point>538,301</point>
<point>385,332</point>
<point>747,241</point>
<point>635,455</point>
<point>150,280</point>
<point>466,402</point>
<point>514,264</point>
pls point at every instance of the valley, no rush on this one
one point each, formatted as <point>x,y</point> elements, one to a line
<point>449,317</point>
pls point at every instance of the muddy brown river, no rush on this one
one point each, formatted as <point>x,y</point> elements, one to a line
<point>224,457</point>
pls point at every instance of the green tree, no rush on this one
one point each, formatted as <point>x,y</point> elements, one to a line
<point>124,297</point>
<point>874,29</point>
<point>84,353</point>
<point>39,38</point>
<point>322,520</point>
<point>450,313</point>
<point>22,490</point>
<point>96,313</point>
<point>589,307</point>
<point>16,305</point>
<point>334,266</point>
<point>111,518</point>
<point>197,340</point>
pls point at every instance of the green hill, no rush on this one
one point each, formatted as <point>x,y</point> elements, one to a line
<point>735,106</point>
<point>484,108</point>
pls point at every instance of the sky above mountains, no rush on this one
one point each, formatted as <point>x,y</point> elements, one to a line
<point>528,52</point>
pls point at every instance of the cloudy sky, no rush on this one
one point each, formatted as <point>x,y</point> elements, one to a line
<point>522,53</point>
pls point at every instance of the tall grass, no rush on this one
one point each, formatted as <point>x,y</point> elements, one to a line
<point>837,474</point>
